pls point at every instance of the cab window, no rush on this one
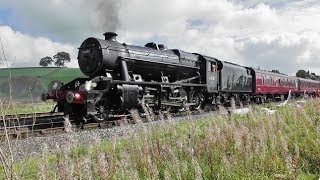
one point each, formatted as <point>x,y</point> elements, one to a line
<point>214,67</point>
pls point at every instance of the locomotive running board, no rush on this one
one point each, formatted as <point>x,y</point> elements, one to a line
<point>155,83</point>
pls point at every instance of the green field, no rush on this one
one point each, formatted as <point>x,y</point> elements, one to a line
<point>42,75</point>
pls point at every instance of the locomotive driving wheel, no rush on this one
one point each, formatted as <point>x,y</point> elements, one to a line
<point>196,98</point>
<point>179,97</point>
<point>102,111</point>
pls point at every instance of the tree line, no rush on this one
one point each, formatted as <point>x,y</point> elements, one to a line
<point>302,74</point>
<point>307,74</point>
<point>59,60</point>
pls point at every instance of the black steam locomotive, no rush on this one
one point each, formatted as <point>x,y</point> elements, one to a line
<point>122,77</point>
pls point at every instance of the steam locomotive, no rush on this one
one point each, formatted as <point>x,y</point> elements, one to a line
<point>121,77</point>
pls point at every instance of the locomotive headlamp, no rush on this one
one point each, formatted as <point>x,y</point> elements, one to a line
<point>94,85</point>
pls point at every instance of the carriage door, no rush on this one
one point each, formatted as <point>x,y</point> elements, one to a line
<point>212,76</point>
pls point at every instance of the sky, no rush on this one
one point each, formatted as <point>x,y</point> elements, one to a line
<point>265,34</point>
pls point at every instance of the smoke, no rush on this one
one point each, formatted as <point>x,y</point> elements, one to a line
<point>68,21</point>
<point>105,15</point>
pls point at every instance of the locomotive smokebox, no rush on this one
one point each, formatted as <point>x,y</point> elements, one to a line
<point>110,36</point>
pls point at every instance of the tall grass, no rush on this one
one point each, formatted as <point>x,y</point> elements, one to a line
<point>22,107</point>
<point>285,145</point>
<point>7,161</point>
<point>9,106</point>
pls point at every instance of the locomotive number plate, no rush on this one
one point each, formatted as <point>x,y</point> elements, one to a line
<point>87,51</point>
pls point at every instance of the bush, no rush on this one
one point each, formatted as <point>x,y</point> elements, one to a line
<point>23,87</point>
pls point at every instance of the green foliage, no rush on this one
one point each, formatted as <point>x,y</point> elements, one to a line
<point>61,58</point>
<point>275,71</point>
<point>285,145</point>
<point>45,61</point>
<point>307,74</point>
<point>302,74</point>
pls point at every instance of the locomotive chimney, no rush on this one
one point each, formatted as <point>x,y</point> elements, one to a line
<point>110,36</point>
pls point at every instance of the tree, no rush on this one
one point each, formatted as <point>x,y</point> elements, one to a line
<point>61,58</point>
<point>313,76</point>
<point>45,61</point>
<point>302,74</point>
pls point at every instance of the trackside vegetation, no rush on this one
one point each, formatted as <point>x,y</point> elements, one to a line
<point>284,145</point>
<point>26,107</point>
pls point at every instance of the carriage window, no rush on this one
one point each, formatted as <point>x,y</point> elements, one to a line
<point>267,80</point>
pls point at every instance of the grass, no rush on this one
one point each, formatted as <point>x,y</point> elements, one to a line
<point>63,74</point>
<point>31,71</point>
<point>21,108</point>
<point>285,145</point>
<point>47,74</point>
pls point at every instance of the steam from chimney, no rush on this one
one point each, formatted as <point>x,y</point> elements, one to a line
<point>105,16</point>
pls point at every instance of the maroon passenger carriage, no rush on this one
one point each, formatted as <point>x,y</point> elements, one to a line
<point>309,87</point>
<point>268,86</point>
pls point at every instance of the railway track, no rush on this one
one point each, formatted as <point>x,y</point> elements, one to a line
<point>41,124</point>
<point>27,125</point>
<point>22,126</point>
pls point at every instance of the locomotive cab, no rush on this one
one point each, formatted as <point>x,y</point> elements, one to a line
<point>210,68</point>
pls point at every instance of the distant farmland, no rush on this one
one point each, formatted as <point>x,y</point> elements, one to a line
<point>31,81</point>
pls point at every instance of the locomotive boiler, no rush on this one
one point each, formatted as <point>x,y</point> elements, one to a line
<point>97,57</point>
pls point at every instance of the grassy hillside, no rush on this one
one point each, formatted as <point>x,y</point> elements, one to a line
<point>43,76</point>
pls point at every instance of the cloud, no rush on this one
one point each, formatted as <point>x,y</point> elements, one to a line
<point>25,50</point>
<point>287,52</point>
<point>271,34</point>
<point>273,3</point>
<point>66,20</point>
